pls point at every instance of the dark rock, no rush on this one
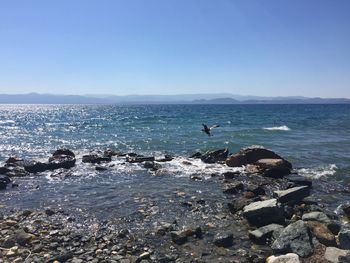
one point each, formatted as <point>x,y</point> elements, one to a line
<point>275,168</point>
<point>179,237</point>
<point>344,238</point>
<point>95,158</point>
<point>33,166</point>
<point>22,238</point>
<point>322,233</point>
<point>256,189</point>
<point>148,165</point>
<point>295,238</point>
<point>233,188</point>
<point>101,168</point>
<point>140,159</point>
<point>223,239</point>
<point>334,226</point>
<point>251,155</point>
<point>316,216</point>
<point>13,159</point>
<point>262,234</point>
<point>17,171</point>
<point>264,212</point>
<point>49,212</point>
<point>196,155</point>
<point>215,156</point>
<point>4,181</point>
<point>230,175</point>
<point>63,152</point>
<point>61,161</point>
<point>9,242</point>
<point>346,209</point>
<point>300,180</point>
<point>4,170</point>
<point>237,204</point>
<point>167,158</point>
<point>292,195</point>
<point>111,153</point>
<point>64,257</point>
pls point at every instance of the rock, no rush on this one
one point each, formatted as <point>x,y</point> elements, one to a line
<point>13,159</point>
<point>299,180</point>
<point>261,234</point>
<point>294,238</point>
<point>111,153</point>
<point>251,155</point>
<point>4,181</point>
<point>64,256</point>
<point>22,238</point>
<point>332,254</point>
<point>163,228</point>
<point>275,168</point>
<point>179,237</point>
<point>148,165</point>
<point>256,189</point>
<point>316,216</point>
<point>95,158</point>
<point>167,158</point>
<point>139,159</point>
<point>233,188</point>
<point>288,258</point>
<point>346,209</point>
<point>344,238</point>
<point>292,195</point>
<point>61,161</point>
<point>230,175</point>
<point>223,239</point>
<point>49,212</point>
<point>237,204</point>
<point>322,233</point>
<point>264,212</point>
<point>17,171</point>
<point>144,255</point>
<point>4,170</point>
<point>334,226</point>
<point>33,166</point>
<point>63,151</point>
<point>196,155</point>
<point>215,156</point>
<point>101,168</point>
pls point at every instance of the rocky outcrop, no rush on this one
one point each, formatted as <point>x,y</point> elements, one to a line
<point>295,238</point>
<point>264,212</point>
<point>292,195</point>
<point>215,156</point>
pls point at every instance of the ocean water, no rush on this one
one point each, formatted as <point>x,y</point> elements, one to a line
<point>315,138</point>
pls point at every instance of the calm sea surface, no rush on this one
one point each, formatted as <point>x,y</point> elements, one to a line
<point>315,138</point>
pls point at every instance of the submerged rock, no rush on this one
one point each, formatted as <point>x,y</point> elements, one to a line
<point>264,212</point>
<point>294,238</point>
<point>215,156</point>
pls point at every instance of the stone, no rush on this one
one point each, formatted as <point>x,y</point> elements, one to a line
<point>292,195</point>
<point>344,239</point>
<point>215,156</point>
<point>251,155</point>
<point>95,158</point>
<point>316,216</point>
<point>101,168</point>
<point>275,168</point>
<point>332,254</point>
<point>264,212</point>
<point>166,158</point>
<point>4,181</point>
<point>22,238</point>
<point>33,166</point>
<point>262,234</point>
<point>346,209</point>
<point>295,238</point>
<point>233,188</point>
<point>13,159</point>
<point>288,258</point>
<point>230,175</point>
<point>63,151</point>
<point>111,153</point>
<point>61,161</point>
<point>179,237</point>
<point>223,239</point>
<point>299,180</point>
<point>144,255</point>
<point>322,233</point>
<point>140,159</point>
<point>237,204</point>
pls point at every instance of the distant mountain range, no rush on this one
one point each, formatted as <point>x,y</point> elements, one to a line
<point>219,98</point>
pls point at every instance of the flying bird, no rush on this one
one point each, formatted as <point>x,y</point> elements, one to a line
<point>207,130</point>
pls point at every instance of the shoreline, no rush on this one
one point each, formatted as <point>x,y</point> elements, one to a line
<point>203,230</point>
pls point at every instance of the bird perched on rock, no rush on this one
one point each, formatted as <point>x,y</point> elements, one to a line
<point>207,130</point>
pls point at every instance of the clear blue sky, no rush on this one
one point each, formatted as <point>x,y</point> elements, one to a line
<point>255,47</point>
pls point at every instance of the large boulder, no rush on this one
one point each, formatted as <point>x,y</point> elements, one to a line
<point>215,156</point>
<point>264,212</point>
<point>295,238</point>
<point>251,155</point>
<point>292,195</point>
<point>61,161</point>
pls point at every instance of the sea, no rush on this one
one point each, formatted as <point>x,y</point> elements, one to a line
<point>314,138</point>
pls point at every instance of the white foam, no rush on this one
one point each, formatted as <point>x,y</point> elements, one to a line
<point>7,121</point>
<point>278,128</point>
<point>318,172</point>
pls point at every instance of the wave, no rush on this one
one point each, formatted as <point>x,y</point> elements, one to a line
<point>278,128</point>
<point>7,121</point>
<point>318,172</point>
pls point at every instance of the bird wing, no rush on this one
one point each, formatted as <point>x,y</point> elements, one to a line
<point>205,126</point>
<point>214,126</point>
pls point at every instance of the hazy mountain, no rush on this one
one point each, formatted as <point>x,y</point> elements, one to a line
<point>220,98</point>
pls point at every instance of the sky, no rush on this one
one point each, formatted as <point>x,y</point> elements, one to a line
<point>247,47</point>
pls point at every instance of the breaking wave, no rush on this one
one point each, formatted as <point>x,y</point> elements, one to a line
<point>278,128</point>
<point>318,172</point>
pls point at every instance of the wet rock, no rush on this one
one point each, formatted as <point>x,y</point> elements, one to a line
<point>322,233</point>
<point>33,166</point>
<point>196,155</point>
<point>111,153</point>
<point>167,158</point>
<point>179,237</point>
<point>299,180</point>
<point>264,212</point>
<point>344,238</point>
<point>63,151</point>
<point>333,254</point>
<point>316,216</point>
<point>292,195</point>
<point>346,209</point>
<point>139,159</point>
<point>4,181</point>
<point>215,156</point>
<point>13,159</point>
<point>288,258</point>
<point>256,189</point>
<point>64,256</point>
<point>101,168</point>
<point>262,234</point>
<point>294,238</point>
<point>4,170</point>
<point>49,212</point>
<point>251,155</point>
<point>148,165</point>
<point>164,228</point>
<point>22,238</point>
<point>17,171</point>
<point>230,175</point>
<point>223,239</point>
<point>275,168</point>
<point>233,188</point>
<point>95,158</point>
<point>61,161</point>
<point>334,226</point>
<point>237,204</point>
